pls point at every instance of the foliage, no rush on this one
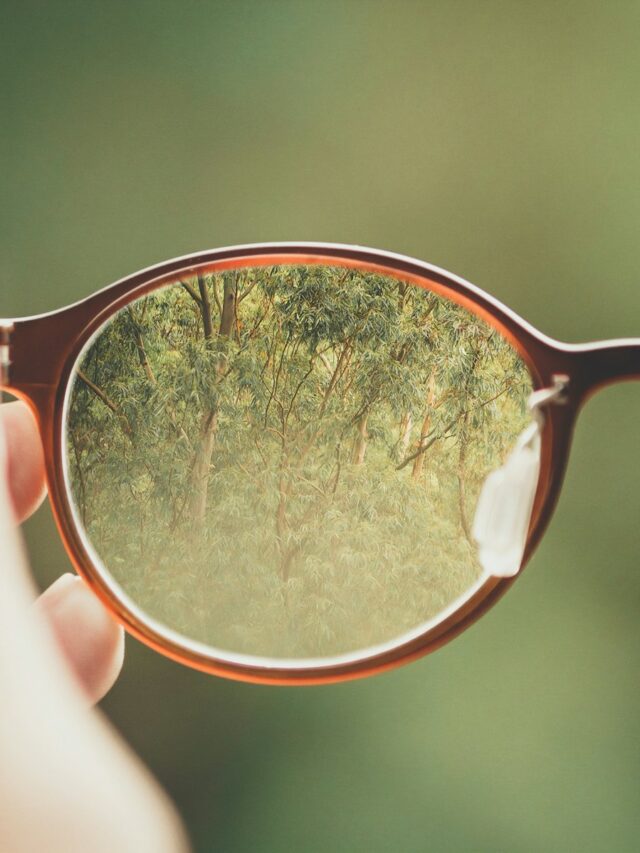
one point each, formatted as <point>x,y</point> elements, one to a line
<point>283,461</point>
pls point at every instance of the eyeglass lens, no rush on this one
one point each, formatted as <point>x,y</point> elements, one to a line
<point>283,461</point>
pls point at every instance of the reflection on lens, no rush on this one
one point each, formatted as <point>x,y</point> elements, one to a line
<point>283,461</point>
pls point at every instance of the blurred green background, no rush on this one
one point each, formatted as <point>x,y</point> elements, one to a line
<point>496,139</point>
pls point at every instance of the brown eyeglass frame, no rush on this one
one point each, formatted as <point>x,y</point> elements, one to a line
<point>38,354</point>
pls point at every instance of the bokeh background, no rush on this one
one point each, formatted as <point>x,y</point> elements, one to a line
<point>496,139</point>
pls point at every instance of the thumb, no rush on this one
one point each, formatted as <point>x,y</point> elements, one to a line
<point>17,588</point>
<point>87,789</point>
<point>80,632</point>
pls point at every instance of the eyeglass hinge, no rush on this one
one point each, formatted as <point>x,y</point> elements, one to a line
<point>6,327</point>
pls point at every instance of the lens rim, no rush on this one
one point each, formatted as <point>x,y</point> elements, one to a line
<point>80,322</point>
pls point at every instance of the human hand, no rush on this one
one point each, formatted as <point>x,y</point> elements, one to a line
<point>67,781</point>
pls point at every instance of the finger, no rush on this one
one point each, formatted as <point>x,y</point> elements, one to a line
<point>25,458</point>
<point>91,642</point>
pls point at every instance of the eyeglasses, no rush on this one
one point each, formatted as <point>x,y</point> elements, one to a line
<point>300,463</point>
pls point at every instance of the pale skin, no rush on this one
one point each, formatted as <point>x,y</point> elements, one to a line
<point>67,781</point>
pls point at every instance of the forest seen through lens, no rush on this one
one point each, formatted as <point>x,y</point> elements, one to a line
<point>284,461</point>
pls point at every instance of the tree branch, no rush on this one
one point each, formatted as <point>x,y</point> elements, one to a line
<point>450,425</point>
<point>192,293</point>
<point>126,426</point>
<point>247,291</point>
<point>98,392</point>
<point>216,295</point>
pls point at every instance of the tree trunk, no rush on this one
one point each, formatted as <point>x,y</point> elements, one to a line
<point>418,462</point>
<point>360,444</point>
<point>209,421</point>
<point>287,550</point>
<point>462,482</point>
<point>205,308</point>
<point>202,466</point>
<point>404,437</point>
<point>228,305</point>
<point>281,514</point>
<point>142,353</point>
<point>402,292</point>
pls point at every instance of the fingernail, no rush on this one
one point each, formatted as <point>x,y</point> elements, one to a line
<point>58,590</point>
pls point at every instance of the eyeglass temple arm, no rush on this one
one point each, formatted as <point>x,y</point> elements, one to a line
<point>33,350</point>
<point>6,327</point>
<point>596,365</point>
